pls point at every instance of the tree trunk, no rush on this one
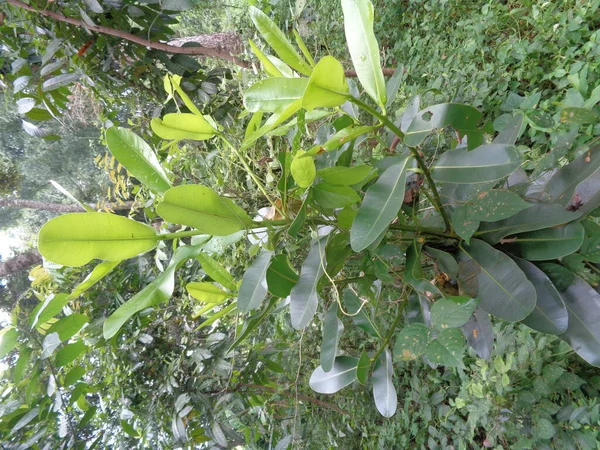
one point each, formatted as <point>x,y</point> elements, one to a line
<point>19,263</point>
<point>230,41</point>
<point>56,207</point>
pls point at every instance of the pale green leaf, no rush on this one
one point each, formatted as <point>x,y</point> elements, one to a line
<point>327,86</point>
<point>177,126</point>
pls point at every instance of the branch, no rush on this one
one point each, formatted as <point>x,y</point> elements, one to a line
<point>19,263</point>
<point>133,38</point>
<point>57,207</point>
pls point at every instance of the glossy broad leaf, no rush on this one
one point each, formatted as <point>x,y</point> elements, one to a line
<point>341,375</point>
<point>138,158</point>
<point>447,348</point>
<point>583,333</point>
<point>50,307</point>
<point>278,42</point>
<point>76,239</point>
<point>96,275</point>
<point>364,50</point>
<point>332,331</point>
<point>452,312</point>
<point>550,314</point>
<point>463,223</point>
<point>207,292</point>
<point>380,206</point>
<point>345,176</point>
<point>254,284</point>
<point>274,94</point>
<point>445,261</point>
<point>496,205</point>
<point>502,287</point>
<point>384,392</point>
<point>303,169</point>
<point>202,208</point>
<point>487,162</point>
<point>327,86</point>
<point>281,276</point>
<point>177,126</point>
<point>546,244</point>
<point>334,196</point>
<point>412,341</point>
<point>303,297</point>
<point>479,333</point>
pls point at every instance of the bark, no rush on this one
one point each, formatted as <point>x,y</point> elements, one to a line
<point>230,41</point>
<point>56,207</point>
<point>19,263</point>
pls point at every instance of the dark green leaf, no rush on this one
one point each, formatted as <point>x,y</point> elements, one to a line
<point>501,286</point>
<point>463,223</point>
<point>560,276</point>
<point>254,284</point>
<point>562,186</point>
<point>546,244</point>
<point>70,353</point>
<point>74,375</point>
<point>333,196</point>
<point>452,312</point>
<point>447,348</point>
<point>413,274</point>
<point>281,276</point>
<point>362,369</point>
<point>445,261</point>
<point>412,341</point>
<point>345,176</point>
<point>579,116</point>
<point>358,313</point>
<point>332,331</point>
<point>550,314</point>
<point>590,249</point>
<point>511,131</point>
<point>341,375</point>
<point>496,205</point>
<point>384,393</point>
<point>60,81</point>
<point>479,333</point>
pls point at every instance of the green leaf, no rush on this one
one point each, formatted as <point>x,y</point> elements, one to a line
<point>274,94</point>
<point>177,126</point>
<point>341,375</point>
<point>138,158</point>
<point>345,176</point>
<point>340,138</point>
<point>546,244</point>
<point>303,169</point>
<point>8,340</point>
<point>202,208</point>
<point>74,375</point>
<point>358,313</point>
<point>413,273</point>
<point>207,292</point>
<point>303,48</point>
<point>563,184</point>
<point>560,276</point>
<point>452,312</point>
<point>380,206</point>
<point>254,322</point>
<point>462,117</point>
<point>327,86</point>
<point>496,205</point>
<point>447,348</point>
<point>68,326</point>
<point>70,353</point>
<point>60,81</point>
<point>511,131</point>
<point>384,393</point>
<point>268,66</point>
<point>463,223</point>
<point>99,272</point>
<point>364,50</point>
<point>362,369</point>
<point>129,430</point>
<point>217,272</point>
<point>479,333</point>
<point>159,291</point>
<point>590,249</point>
<point>22,362</point>
<point>502,287</point>
<point>52,305</point>
<point>539,120</point>
<point>579,116</point>
<point>583,333</point>
<point>445,261</point>
<point>278,42</point>
<point>76,239</point>
<point>218,315</point>
<point>332,331</point>
<point>281,276</point>
<point>550,314</point>
<point>536,217</point>
<point>412,341</point>
<point>487,162</point>
<point>334,196</point>
<point>303,297</point>
<point>254,284</point>
<point>273,122</point>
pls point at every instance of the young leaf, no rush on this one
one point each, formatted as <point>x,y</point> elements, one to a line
<point>303,297</point>
<point>332,331</point>
<point>281,276</point>
<point>362,369</point>
<point>503,288</point>
<point>583,333</point>
<point>479,333</point>
<point>268,65</point>
<point>334,196</point>
<point>550,314</point>
<point>547,244</point>
<point>76,239</point>
<point>8,340</point>
<point>217,272</point>
<point>138,158</point>
<point>177,126</point>
<point>447,348</point>
<point>207,292</point>
<point>384,393</point>
<point>380,206</point>
<point>364,50</point>
<point>488,162</point>
<point>303,169</point>
<point>278,42</point>
<point>345,176</point>
<point>254,284</point>
<point>274,94</point>
<point>327,86</point>
<point>452,312</point>
<point>303,48</point>
<point>99,272</point>
<point>202,208</point>
<point>341,375</point>
<point>412,341</point>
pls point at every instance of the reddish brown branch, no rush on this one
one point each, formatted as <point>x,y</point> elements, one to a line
<point>57,207</point>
